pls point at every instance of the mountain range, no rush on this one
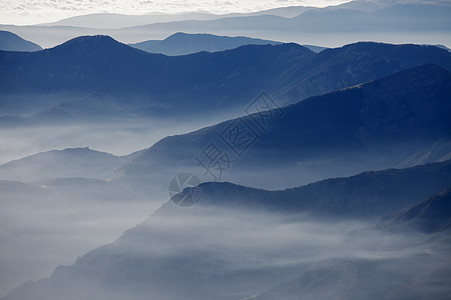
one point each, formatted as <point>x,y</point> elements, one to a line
<point>247,163</point>
<point>182,43</point>
<point>397,121</point>
<point>355,21</point>
<point>144,84</point>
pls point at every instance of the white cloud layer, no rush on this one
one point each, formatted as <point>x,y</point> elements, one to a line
<point>27,12</point>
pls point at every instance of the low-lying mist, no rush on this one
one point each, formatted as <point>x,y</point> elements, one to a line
<point>206,252</point>
<point>120,138</point>
<point>43,226</point>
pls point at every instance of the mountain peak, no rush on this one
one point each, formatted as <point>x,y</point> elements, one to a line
<point>96,42</point>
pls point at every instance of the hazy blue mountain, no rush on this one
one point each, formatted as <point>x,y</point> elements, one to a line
<point>354,64</point>
<point>397,121</point>
<point>340,19</point>
<point>182,43</point>
<point>116,21</point>
<point>151,84</point>
<point>181,245</point>
<point>367,195</point>
<point>430,215</point>
<point>93,108</point>
<point>12,42</point>
<point>206,80</point>
<point>74,162</point>
<point>14,187</point>
<point>185,43</point>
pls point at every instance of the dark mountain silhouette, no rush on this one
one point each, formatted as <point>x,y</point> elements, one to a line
<point>399,120</point>
<point>206,80</point>
<point>182,43</point>
<point>195,84</point>
<point>353,64</point>
<point>12,42</point>
<point>430,215</point>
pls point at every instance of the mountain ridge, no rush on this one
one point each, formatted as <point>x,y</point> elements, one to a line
<point>351,130</point>
<point>12,42</point>
<point>288,72</point>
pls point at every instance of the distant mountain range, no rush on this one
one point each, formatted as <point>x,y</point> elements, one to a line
<point>183,43</point>
<point>355,21</point>
<point>12,42</point>
<point>138,263</point>
<point>147,84</point>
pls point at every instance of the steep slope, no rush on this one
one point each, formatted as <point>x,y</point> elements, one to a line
<point>355,64</point>
<point>399,120</point>
<point>430,215</point>
<point>182,43</point>
<point>12,42</point>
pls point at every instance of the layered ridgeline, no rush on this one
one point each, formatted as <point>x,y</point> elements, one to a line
<point>397,121</point>
<point>182,43</point>
<point>202,84</point>
<point>12,42</point>
<point>417,21</point>
<point>238,241</point>
<point>400,120</point>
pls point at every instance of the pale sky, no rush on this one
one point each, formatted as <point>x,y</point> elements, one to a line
<point>26,12</point>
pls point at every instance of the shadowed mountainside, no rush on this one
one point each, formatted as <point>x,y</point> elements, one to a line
<point>148,84</point>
